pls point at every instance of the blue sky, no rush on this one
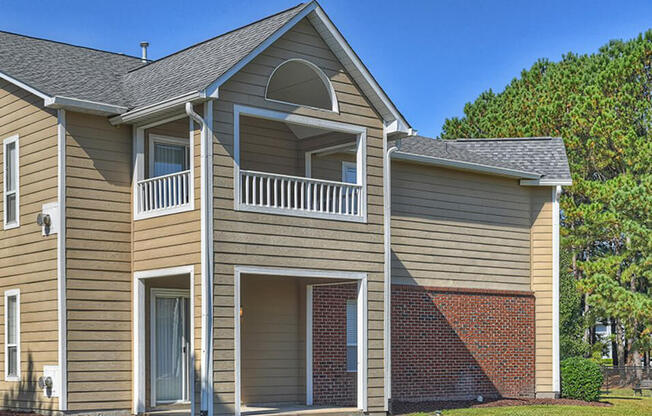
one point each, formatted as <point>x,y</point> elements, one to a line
<point>430,56</point>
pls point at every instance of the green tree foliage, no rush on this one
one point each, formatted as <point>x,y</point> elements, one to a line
<point>571,326</point>
<point>601,104</point>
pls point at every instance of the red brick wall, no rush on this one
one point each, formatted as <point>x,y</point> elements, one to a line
<point>452,345</point>
<point>332,384</point>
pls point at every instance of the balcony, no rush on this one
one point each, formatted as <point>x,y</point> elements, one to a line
<point>288,164</point>
<point>268,192</point>
<point>168,193</point>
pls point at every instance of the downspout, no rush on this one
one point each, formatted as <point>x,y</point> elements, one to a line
<point>556,385</point>
<point>61,261</point>
<point>206,180</point>
<point>387,300</point>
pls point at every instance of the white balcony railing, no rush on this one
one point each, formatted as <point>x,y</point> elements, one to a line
<point>164,193</point>
<point>304,196</point>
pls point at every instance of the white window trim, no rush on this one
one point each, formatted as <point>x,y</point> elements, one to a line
<point>9,293</point>
<point>158,138</point>
<point>361,159</point>
<point>335,107</point>
<point>5,143</point>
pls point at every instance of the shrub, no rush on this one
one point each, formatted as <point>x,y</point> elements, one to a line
<point>580,379</point>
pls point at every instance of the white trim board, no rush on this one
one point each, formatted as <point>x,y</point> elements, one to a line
<point>139,337</point>
<point>62,347</point>
<point>307,273</point>
<point>556,384</point>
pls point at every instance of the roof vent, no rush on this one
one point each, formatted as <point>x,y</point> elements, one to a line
<point>143,46</point>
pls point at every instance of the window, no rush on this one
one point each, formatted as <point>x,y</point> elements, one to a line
<point>351,335</point>
<point>10,179</point>
<point>12,335</point>
<point>168,155</point>
<point>298,81</point>
<point>349,172</point>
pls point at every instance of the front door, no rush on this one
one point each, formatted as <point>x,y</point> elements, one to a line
<point>170,346</point>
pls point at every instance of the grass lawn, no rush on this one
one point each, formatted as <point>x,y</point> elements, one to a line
<point>624,404</point>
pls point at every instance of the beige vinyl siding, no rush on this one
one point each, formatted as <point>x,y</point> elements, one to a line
<point>28,260</point>
<point>273,340</point>
<point>174,240</point>
<point>458,229</point>
<point>542,285</point>
<point>98,209</point>
<point>269,146</point>
<point>246,238</point>
<point>329,167</point>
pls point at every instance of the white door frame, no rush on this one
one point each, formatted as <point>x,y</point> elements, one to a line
<point>139,333</point>
<point>361,278</point>
<point>156,292</point>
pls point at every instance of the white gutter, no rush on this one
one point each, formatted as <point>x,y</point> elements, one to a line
<point>206,180</point>
<point>546,182</point>
<point>84,106</point>
<point>556,192</point>
<point>153,109</point>
<point>387,298</point>
<point>61,261</point>
<point>474,167</point>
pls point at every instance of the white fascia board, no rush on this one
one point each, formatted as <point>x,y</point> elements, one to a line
<point>365,76</point>
<point>212,89</point>
<point>150,110</point>
<point>546,182</point>
<point>24,86</point>
<point>456,164</point>
<point>84,106</point>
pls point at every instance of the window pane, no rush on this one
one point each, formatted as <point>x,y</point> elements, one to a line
<point>12,361</point>
<point>350,174</point>
<point>169,158</point>
<point>10,166</point>
<point>11,320</point>
<point>351,358</point>
<point>11,207</point>
<point>351,322</point>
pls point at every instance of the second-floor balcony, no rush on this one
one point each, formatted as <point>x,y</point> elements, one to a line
<point>166,193</point>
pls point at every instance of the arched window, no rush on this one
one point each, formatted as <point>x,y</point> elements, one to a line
<point>300,82</point>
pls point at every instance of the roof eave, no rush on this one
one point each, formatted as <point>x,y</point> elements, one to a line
<point>142,113</point>
<point>468,166</point>
<point>83,106</point>
<point>546,182</point>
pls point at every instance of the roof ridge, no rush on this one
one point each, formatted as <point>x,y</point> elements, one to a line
<point>499,139</point>
<point>218,36</point>
<point>70,44</point>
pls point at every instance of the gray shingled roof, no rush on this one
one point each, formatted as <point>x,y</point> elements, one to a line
<point>195,68</point>
<point>55,68</point>
<point>76,72</point>
<point>545,156</point>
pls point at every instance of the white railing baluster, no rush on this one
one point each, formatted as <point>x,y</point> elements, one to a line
<point>163,192</point>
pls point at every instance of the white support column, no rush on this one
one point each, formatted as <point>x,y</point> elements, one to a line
<point>309,345</point>
<point>362,344</point>
<point>61,261</point>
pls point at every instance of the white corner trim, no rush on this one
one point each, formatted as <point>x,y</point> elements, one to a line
<point>62,353</point>
<point>324,79</point>
<point>139,339</point>
<point>387,292</point>
<point>17,377</point>
<point>546,182</point>
<point>5,143</point>
<point>556,192</point>
<point>303,273</point>
<point>309,390</point>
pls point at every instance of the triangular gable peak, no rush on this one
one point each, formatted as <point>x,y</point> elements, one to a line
<point>330,36</point>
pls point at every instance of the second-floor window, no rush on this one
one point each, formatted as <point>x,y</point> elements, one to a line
<point>351,335</point>
<point>10,177</point>
<point>168,155</point>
